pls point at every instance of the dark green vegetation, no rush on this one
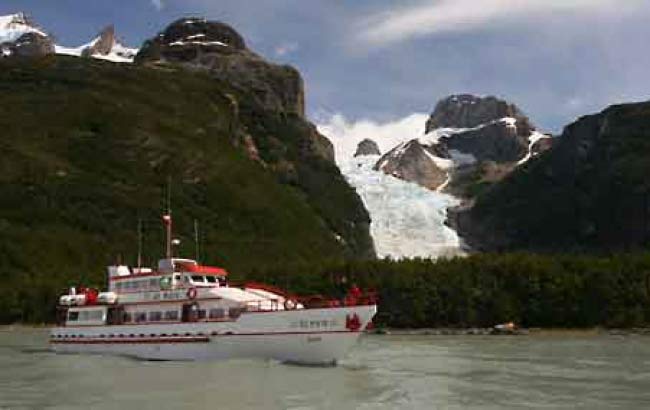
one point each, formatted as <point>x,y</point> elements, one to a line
<point>87,148</point>
<point>589,193</point>
<point>483,290</point>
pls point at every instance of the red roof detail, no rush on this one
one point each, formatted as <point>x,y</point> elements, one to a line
<point>211,270</point>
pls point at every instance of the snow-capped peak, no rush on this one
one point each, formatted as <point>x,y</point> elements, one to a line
<point>104,47</point>
<point>15,25</point>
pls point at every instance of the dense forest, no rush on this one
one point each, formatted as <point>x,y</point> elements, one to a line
<point>479,290</point>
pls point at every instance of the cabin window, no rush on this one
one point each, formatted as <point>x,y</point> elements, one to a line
<point>197,278</point>
<point>92,315</point>
<point>216,313</point>
<point>127,317</point>
<point>210,279</point>
<point>153,283</point>
<point>141,316</point>
<point>186,279</point>
<point>234,312</point>
<point>177,277</point>
<point>201,314</point>
<point>155,316</point>
<point>72,316</point>
<point>171,315</point>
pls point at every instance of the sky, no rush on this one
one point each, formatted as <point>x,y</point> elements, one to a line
<point>381,62</point>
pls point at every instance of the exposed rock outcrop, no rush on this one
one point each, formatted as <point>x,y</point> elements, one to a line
<point>102,44</point>
<point>29,45</point>
<point>367,147</point>
<point>542,145</point>
<point>488,128</point>
<point>499,141</point>
<point>20,37</point>
<point>411,162</point>
<point>217,47</point>
<point>469,111</point>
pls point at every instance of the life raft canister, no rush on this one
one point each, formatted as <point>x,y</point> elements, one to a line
<point>290,304</point>
<point>191,293</point>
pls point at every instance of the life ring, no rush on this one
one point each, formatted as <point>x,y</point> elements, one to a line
<point>191,293</point>
<point>290,304</point>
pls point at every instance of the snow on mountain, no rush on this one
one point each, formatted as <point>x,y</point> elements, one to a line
<point>105,46</point>
<point>15,25</point>
<point>407,219</point>
<point>534,137</point>
<point>118,54</point>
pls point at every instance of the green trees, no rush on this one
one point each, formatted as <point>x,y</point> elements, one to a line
<point>482,290</point>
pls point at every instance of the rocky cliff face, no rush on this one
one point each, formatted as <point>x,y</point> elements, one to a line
<point>217,47</point>
<point>269,107</point>
<point>411,162</point>
<point>473,140</point>
<point>589,191</point>
<point>21,37</point>
<point>106,46</point>
<point>367,147</point>
<point>488,128</point>
<point>469,111</point>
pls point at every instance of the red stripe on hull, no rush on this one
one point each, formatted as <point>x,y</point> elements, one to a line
<point>132,341</point>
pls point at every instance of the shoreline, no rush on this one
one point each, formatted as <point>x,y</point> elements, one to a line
<point>535,331</point>
<point>446,331</point>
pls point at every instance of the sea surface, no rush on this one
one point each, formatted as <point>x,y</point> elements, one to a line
<point>382,372</point>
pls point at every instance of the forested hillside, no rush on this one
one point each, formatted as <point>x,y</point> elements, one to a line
<point>87,150</point>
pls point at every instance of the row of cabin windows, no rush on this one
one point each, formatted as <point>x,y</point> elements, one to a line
<point>142,284</point>
<point>157,316</point>
<point>149,284</point>
<point>153,316</point>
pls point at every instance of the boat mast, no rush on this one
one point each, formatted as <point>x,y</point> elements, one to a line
<point>139,243</point>
<point>196,238</point>
<point>167,219</point>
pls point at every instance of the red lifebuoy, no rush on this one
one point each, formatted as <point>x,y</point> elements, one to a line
<point>191,293</point>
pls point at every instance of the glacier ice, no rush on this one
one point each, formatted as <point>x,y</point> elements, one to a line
<point>407,219</point>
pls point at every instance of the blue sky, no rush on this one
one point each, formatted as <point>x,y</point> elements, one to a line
<point>383,60</point>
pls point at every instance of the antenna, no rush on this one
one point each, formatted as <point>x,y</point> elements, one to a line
<point>139,243</point>
<point>167,219</point>
<point>196,238</point>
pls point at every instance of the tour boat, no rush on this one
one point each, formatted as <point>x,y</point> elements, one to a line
<point>182,310</point>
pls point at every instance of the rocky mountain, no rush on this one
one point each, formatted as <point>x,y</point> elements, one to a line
<point>104,47</point>
<point>367,147</point>
<point>469,132</point>
<point>411,161</point>
<point>589,192</point>
<point>75,180</point>
<point>470,111</point>
<point>219,49</point>
<point>20,36</point>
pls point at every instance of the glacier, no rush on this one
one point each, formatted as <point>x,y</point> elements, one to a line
<point>407,220</point>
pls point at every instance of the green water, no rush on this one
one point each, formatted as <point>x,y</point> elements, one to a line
<point>382,372</point>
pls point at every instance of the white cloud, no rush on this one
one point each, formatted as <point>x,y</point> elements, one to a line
<point>444,16</point>
<point>158,4</point>
<point>346,135</point>
<point>285,48</point>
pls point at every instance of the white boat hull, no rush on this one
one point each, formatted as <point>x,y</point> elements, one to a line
<point>307,336</point>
